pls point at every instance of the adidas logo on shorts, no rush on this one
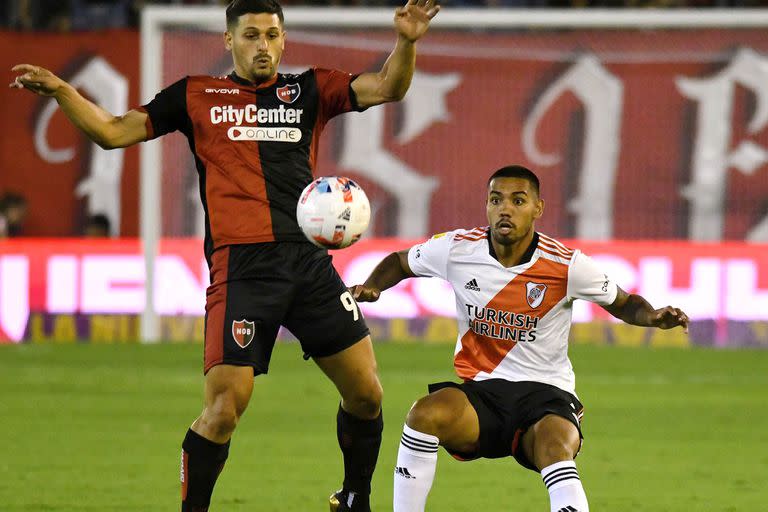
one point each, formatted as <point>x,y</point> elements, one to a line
<point>472,285</point>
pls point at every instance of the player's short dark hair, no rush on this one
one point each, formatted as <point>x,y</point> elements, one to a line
<point>517,171</point>
<point>237,8</point>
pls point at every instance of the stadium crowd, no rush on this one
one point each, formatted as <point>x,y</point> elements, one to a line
<point>66,15</point>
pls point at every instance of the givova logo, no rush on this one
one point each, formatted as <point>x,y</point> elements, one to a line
<point>211,90</point>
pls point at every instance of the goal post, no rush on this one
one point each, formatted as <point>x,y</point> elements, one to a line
<point>156,21</point>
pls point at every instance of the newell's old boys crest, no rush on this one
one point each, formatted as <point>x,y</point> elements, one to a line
<point>243,331</point>
<point>534,293</point>
<point>288,93</point>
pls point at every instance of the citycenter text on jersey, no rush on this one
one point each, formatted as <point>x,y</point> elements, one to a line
<point>253,114</point>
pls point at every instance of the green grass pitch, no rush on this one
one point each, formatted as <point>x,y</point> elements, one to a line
<point>98,428</point>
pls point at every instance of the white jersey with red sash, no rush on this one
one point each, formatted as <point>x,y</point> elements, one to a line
<point>513,322</point>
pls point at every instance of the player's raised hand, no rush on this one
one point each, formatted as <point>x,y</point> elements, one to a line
<point>412,20</point>
<point>36,79</point>
<point>669,317</point>
<point>363,293</point>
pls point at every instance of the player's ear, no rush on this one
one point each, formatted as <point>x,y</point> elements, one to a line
<point>228,40</point>
<point>539,209</point>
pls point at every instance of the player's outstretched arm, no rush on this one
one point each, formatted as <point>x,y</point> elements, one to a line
<point>103,128</point>
<point>392,269</point>
<point>634,309</point>
<point>392,81</point>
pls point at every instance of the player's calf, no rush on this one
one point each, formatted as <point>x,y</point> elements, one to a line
<point>552,444</point>
<point>359,440</point>
<point>415,470</point>
<point>206,445</point>
<point>443,417</point>
<point>201,462</point>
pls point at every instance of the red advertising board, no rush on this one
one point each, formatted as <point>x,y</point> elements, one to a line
<point>70,288</point>
<point>42,156</point>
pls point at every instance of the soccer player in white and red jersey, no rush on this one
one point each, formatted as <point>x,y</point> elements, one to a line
<point>514,291</point>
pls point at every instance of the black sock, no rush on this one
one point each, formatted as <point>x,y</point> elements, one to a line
<point>359,440</point>
<point>201,462</point>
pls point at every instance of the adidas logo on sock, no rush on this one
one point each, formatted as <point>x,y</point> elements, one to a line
<point>568,509</point>
<point>472,285</point>
<point>403,472</point>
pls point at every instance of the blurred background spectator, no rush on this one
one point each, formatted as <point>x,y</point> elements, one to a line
<point>97,226</point>
<point>13,211</point>
<point>65,15</point>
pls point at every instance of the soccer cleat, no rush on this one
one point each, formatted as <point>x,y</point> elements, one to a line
<point>344,501</point>
<point>337,501</point>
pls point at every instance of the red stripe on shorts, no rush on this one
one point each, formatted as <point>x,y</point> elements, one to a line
<point>216,308</point>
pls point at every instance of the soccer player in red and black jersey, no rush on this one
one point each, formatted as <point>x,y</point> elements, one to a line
<point>254,136</point>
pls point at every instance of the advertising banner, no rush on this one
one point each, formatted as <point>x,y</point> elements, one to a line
<point>93,290</point>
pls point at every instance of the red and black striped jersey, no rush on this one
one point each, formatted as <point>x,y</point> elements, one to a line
<point>255,146</point>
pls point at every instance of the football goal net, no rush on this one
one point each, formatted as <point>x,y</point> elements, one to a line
<point>615,107</point>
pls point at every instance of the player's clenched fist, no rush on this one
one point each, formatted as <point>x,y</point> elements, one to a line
<point>36,79</point>
<point>669,317</point>
<point>363,293</point>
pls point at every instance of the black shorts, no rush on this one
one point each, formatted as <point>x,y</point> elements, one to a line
<point>256,288</point>
<point>507,409</point>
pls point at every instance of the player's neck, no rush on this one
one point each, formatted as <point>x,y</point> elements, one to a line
<point>512,254</point>
<point>254,81</point>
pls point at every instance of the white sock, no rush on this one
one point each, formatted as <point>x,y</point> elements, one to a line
<point>565,491</point>
<point>415,471</point>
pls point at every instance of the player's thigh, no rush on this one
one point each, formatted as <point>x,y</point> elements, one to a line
<point>551,439</point>
<point>353,372</point>
<point>448,414</point>
<point>324,316</point>
<point>244,308</point>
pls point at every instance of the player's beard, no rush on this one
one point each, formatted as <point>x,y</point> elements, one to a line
<point>262,72</point>
<point>514,236</point>
<point>502,239</point>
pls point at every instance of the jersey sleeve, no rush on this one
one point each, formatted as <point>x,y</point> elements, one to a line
<point>430,259</point>
<point>586,280</point>
<point>335,91</point>
<point>168,110</point>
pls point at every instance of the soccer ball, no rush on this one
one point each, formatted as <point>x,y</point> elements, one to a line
<point>333,212</point>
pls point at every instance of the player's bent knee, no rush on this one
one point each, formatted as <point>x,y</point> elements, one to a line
<point>429,416</point>
<point>554,450</point>
<point>556,439</point>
